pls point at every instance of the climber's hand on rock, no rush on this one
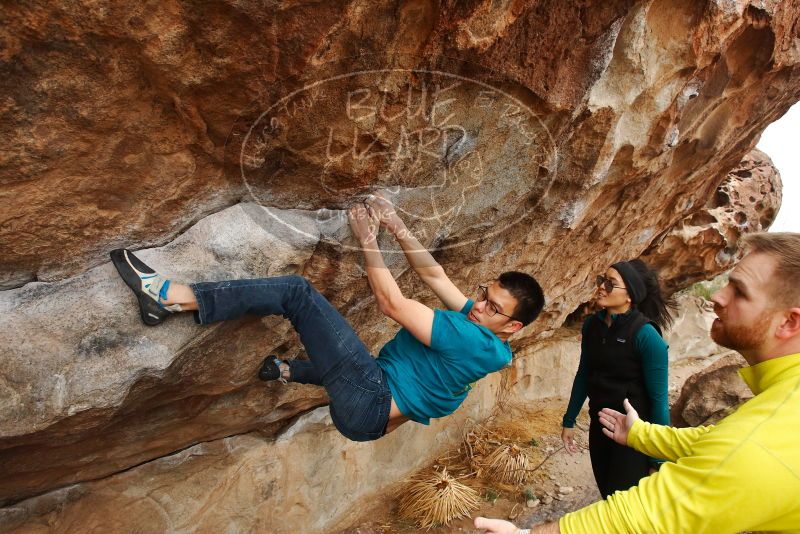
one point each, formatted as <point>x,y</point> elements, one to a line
<point>363,223</point>
<point>386,213</point>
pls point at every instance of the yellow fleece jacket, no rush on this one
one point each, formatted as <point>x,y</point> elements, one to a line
<point>742,474</point>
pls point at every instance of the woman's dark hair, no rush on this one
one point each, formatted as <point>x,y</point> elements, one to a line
<point>654,306</point>
<point>529,295</point>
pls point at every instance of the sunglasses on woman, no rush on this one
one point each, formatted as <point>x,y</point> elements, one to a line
<point>606,283</point>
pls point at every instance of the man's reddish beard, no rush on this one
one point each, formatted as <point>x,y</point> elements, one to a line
<point>741,337</point>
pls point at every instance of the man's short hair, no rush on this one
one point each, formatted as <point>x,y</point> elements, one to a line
<point>785,248</point>
<point>529,295</point>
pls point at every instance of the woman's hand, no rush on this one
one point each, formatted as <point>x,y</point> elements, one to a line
<point>568,437</point>
<point>617,425</point>
<point>386,214</point>
<point>495,526</point>
<point>364,224</point>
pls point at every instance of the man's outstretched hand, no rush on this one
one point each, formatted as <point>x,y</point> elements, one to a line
<point>498,526</point>
<point>386,213</point>
<point>616,425</point>
<point>495,526</point>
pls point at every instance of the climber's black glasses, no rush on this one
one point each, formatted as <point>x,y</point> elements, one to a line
<point>491,307</point>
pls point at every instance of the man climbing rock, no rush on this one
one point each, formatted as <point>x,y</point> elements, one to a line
<point>424,372</point>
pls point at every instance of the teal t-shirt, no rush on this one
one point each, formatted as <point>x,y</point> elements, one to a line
<point>431,382</point>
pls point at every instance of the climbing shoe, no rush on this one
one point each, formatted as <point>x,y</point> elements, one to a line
<point>149,287</point>
<point>271,370</point>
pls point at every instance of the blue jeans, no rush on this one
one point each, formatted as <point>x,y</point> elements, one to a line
<point>360,399</point>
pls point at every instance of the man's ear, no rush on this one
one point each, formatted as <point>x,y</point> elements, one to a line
<point>513,326</point>
<point>790,325</point>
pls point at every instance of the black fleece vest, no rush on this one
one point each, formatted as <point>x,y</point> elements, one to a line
<point>614,366</point>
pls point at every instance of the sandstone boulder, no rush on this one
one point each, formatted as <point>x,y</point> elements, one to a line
<point>710,394</point>
<point>704,243</point>
<point>306,477</point>
<point>225,140</point>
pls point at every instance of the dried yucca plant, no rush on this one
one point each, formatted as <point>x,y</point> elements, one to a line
<point>435,498</point>
<point>477,443</point>
<point>508,464</point>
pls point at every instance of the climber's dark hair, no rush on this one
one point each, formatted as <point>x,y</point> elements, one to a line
<point>529,295</point>
<point>654,306</point>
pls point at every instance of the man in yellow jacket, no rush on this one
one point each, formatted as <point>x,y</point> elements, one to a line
<point>742,474</point>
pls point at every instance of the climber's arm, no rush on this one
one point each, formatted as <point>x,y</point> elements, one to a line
<point>418,256</point>
<point>410,314</point>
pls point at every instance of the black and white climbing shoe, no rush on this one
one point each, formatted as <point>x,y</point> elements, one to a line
<point>149,287</point>
<point>271,370</point>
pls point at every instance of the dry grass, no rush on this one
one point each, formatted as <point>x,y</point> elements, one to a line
<point>502,450</point>
<point>509,464</point>
<point>435,498</point>
<point>500,454</point>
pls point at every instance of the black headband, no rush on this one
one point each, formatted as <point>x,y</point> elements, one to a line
<point>633,282</point>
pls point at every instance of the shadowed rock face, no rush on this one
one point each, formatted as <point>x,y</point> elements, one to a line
<point>224,141</point>
<point>117,117</point>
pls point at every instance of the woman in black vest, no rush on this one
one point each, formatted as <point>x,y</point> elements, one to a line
<point>623,356</point>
